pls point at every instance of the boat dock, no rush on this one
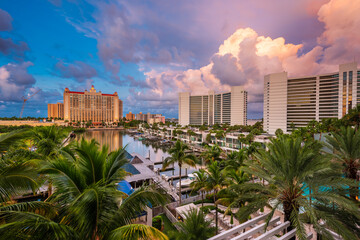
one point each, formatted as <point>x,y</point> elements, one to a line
<point>167,187</point>
<point>166,169</point>
<point>176,177</point>
<point>186,190</point>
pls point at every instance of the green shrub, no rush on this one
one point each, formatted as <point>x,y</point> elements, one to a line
<point>207,209</point>
<point>205,201</point>
<point>157,222</point>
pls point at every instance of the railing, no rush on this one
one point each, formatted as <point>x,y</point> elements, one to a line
<point>171,217</point>
<point>191,199</point>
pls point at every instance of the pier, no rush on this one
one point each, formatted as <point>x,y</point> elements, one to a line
<point>176,177</point>
<point>166,169</point>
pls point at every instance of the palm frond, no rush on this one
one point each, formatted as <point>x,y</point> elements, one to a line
<point>135,232</point>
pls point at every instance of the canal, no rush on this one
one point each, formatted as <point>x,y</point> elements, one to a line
<point>118,138</point>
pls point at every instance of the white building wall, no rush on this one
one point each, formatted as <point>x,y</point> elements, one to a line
<point>317,115</point>
<point>238,106</point>
<point>184,108</point>
<point>275,102</point>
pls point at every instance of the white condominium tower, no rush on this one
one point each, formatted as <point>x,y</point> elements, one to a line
<point>296,101</point>
<point>229,107</point>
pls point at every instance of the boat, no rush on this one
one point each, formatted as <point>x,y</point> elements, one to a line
<point>186,182</point>
<point>166,178</point>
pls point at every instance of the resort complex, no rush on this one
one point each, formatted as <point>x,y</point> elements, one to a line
<point>294,102</point>
<point>229,107</point>
<point>210,120</point>
<point>87,106</point>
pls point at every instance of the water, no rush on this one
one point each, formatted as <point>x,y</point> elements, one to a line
<point>117,138</point>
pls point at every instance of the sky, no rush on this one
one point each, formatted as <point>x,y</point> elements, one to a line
<point>148,51</point>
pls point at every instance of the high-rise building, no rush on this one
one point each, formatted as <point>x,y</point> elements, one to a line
<point>150,118</point>
<point>293,102</point>
<point>92,106</point>
<point>130,116</point>
<point>229,107</point>
<point>56,110</point>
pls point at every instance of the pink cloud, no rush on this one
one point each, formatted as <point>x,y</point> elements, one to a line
<point>245,57</point>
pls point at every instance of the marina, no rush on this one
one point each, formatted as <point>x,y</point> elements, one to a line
<point>151,156</point>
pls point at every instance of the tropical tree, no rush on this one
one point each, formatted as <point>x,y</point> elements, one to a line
<point>86,203</point>
<point>190,133</point>
<point>199,183</point>
<point>194,227</point>
<point>353,117</point>
<point>219,135</point>
<point>49,140</point>
<point>279,131</point>
<point>235,160</point>
<point>179,155</point>
<point>16,176</point>
<point>212,153</point>
<point>12,138</point>
<point>305,184</point>
<point>208,138</point>
<point>231,195</point>
<point>346,151</point>
<point>215,182</point>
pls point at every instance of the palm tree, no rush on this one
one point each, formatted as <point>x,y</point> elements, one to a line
<point>215,182</point>
<point>291,167</point>
<point>212,153</point>
<point>16,176</point>
<point>179,155</point>
<point>235,160</point>
<point>219,135</point>
<point>86,203</point>
<point>190,133</point>
<point>199,183</point>
<point>229,196</point>
<point>48,140</point>
<point>346,151</point>
<point>194,227</point>
<point>353,117</point>
<point>12,138</point>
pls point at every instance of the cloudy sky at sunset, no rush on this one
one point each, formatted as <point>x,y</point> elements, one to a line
<point>149,50</point>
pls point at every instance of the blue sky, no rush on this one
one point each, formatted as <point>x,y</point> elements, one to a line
<point>148,51</point>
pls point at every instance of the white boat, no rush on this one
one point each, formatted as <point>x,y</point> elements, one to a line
<point>166,178</point>
<point>186,182</point>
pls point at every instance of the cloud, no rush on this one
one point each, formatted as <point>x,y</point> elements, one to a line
<point>341,36</point>
<point>245,57</point>
<point>9,47</point>
<point>15,81</point>
<point>78,70</point>
<point>132,82</point>
<point>5,21</point>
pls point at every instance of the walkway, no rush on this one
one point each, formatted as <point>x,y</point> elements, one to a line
<point>167,187</point>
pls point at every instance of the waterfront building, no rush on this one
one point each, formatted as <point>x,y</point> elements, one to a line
<point>92,106</point>
<point>130,116</point>
<point>56,110</point>
<point>293,102</point>
<point>229,107</point>
<point>150,118</point>
<point>230,142</point>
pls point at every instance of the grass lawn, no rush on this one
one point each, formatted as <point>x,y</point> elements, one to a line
<point>168,226</point>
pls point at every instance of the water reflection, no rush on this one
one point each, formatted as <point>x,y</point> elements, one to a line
<point>112,138</point>
<point>117,138</point>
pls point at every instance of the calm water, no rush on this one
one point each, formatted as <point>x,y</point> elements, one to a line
<point>117,138</point>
